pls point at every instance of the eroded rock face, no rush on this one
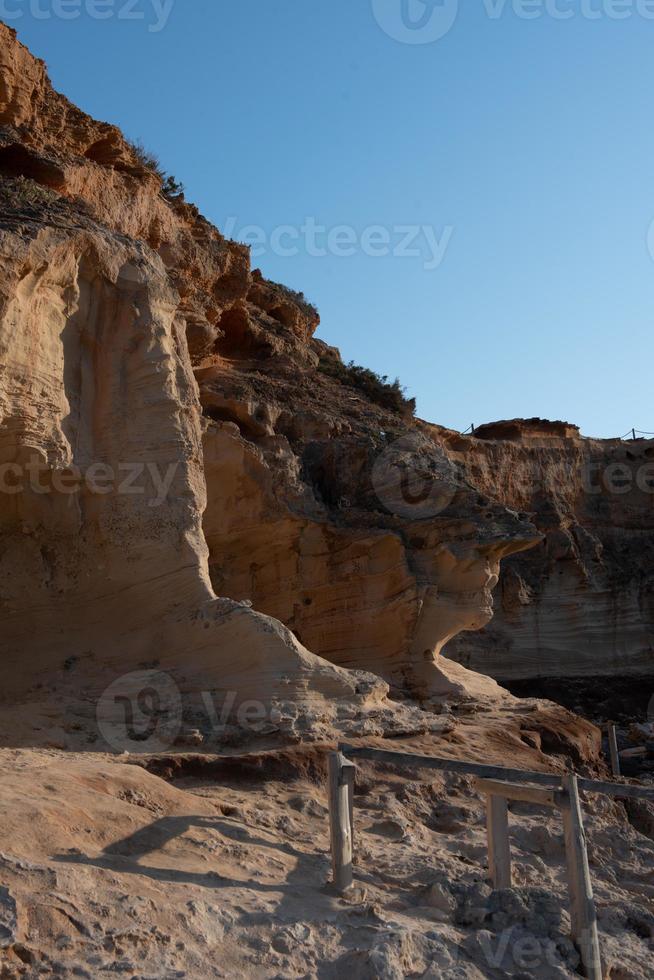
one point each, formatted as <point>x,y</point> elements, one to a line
<point>582,602</point>
<point>167,437</point>
<point>103,561</point>
<point>304,522</point>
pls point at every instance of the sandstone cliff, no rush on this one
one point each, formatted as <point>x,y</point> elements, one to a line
<point>172,432</point>
<point>192,487</point>
<point>135,493</point>
<point>582,602</point>
<point>105,287</point>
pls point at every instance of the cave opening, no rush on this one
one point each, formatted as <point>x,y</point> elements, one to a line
<point>18,161</point>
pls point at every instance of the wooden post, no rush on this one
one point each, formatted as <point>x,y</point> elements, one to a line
<point>613,748</point>
<point>348,772</point>
<point>497,830</point>
<point>582,904</point>
<point>341,785</point>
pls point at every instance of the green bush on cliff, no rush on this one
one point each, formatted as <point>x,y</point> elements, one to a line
<point>389,394</point>
<point>170,187</point>
<point>146,159</point>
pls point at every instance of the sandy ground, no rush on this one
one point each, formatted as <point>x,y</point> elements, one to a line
<point>221,869</point>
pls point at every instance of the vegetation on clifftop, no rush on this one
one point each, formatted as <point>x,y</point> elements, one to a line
<point>170,186</point>
<point>389,394</point>
<point>296,297</point>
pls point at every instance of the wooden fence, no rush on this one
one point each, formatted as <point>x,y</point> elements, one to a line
<point>499,785</point>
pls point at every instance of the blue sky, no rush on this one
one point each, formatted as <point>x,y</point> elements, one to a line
<point>524,146</point>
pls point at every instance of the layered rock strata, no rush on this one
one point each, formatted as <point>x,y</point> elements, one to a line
<point>581,604</point>
<point>172,432</point>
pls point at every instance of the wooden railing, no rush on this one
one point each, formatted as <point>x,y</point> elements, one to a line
<point>499,785</point>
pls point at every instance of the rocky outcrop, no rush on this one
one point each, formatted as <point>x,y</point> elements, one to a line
<point>582,602</point>
<point>211,533</point>
<point>167,437</point>
<point>172,432</point>
<point>103,561</point>
<point>303,522</point>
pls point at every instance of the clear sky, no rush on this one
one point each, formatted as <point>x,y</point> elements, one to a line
<point>525,147</point>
